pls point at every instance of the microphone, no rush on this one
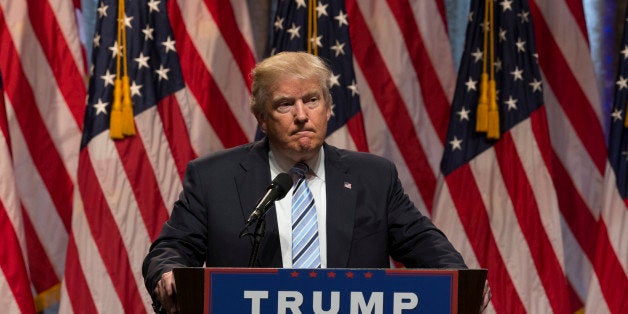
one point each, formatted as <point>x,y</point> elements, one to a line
<point>275,191</point>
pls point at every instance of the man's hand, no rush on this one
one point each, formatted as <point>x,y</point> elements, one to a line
<point>166,292</point>
<point>486,296</point>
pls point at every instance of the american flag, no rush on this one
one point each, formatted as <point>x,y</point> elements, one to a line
<point>42,63</point>
<point>14,281</point>
<point>189,92</point>
<point>611,249</point>
<point>328,38</point>
<point>406,80</point>
<point>528,202</point>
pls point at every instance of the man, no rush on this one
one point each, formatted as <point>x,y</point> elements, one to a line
<point>361,214</point>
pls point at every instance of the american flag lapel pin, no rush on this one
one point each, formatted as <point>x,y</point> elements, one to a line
<point>347,185</point>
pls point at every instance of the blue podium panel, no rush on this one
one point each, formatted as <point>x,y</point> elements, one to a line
<point>237,290</point>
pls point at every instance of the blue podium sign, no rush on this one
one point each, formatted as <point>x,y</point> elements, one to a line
<point>259,290</point>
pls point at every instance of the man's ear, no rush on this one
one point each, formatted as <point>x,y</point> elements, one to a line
<point>261,121</point>
<point>329,112</point>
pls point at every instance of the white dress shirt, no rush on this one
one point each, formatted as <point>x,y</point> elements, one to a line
<point>283,207</point>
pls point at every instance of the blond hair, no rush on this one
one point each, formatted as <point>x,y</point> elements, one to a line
<point>300,65</point>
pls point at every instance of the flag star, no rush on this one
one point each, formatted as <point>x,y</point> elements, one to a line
<point>471,84</point>
<point>91,70</point>
<point>169,44</point>
<point>108,78</point>
<point>148,32</point>
<point>625,153</point>
<point>470,17</point>
<point>102,10</point>
<point>517,73</point>
<point>341,18</point>
<point>115,49</point>
<point>625,52</point>
<point>353,88</point>
<point>506,5</point>
<point>622,83</point>
<point>498,65</point>
<point>521,45</point>
<point>300,3</point>
<point>616,115</point>
<point>321,9</point>
<point>279,23</point>
<point>127,21</point>
<point>464,114</point>
<point>135,89</point>
<point>162,72</point>
<point>338,48</point>
<point>96,40</point>
<point>142,61</point>
<point>456,144</point>
<point>294,31</point>
<point>502,34</point>
<point>477,55</point>
<point>334,80</point>
<point>536,85</point>
<point>317,41</point>
<point>524,16</point>
<point>100,107</point>
<point>512,103</point>
<point>153,5</point>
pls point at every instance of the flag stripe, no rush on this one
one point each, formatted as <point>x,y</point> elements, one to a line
<point>388,100</point>
<point>106,234</point>
<point>203,86</point>
<point>476,226</point>
<point>76,284</point>
<point>435,101</point>
<point>48,161</point>
<point>569,94</point>
<point>54,45</point>
<point>577,10</point>
<point>609,272</point>
<point>43,273</point>
<point>529,218</point>
<point>222,14</point>
<point>144,184</point>
<point>176,133</point>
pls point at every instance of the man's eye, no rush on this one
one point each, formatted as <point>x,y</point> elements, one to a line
<point>284,108</point>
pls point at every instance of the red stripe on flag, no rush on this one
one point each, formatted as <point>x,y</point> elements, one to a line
<point>107,237</point>
<point>142,179</point>
<point>609,272</point>
<point>475,220</point>
<point>40,145</point>
<point>577,10</point>
<point>43,274</point>
<point>76,285</point>
<point>580,221</point>
<point>12,264</point>
<point>176,132</point>
<point>226,22</point>
<point>203,86</point>
<point>355,125</point>
<point>57,52</point>
<point>434,98</point>
<point>568,91</point>
<point>391,104</point>
<point>528,216</point>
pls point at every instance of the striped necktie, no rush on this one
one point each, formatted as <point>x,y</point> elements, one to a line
<point>305,246</point>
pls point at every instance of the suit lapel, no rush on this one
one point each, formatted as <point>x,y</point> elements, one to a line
<point>341,200</point>
<point>251,185</point>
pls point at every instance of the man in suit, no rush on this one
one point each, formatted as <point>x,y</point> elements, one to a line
<point>360,213</point>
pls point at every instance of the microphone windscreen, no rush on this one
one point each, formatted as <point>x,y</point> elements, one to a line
<point>284,182</point>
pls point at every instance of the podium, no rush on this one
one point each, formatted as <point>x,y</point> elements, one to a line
<point>282,290</point>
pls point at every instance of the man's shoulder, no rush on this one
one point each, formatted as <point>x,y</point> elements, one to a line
<point>222,158</point>
<point>354,158</point>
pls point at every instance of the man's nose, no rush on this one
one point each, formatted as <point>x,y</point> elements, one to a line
<point>300,111</point>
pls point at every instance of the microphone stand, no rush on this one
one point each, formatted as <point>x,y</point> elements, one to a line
<point>258,234</point>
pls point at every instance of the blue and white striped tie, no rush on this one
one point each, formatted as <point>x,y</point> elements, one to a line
<point>305,247</point>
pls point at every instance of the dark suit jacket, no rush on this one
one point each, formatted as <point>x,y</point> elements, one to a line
<point>369,217</point>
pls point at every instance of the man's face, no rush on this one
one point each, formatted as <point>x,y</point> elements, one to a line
<point>295,120</point>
